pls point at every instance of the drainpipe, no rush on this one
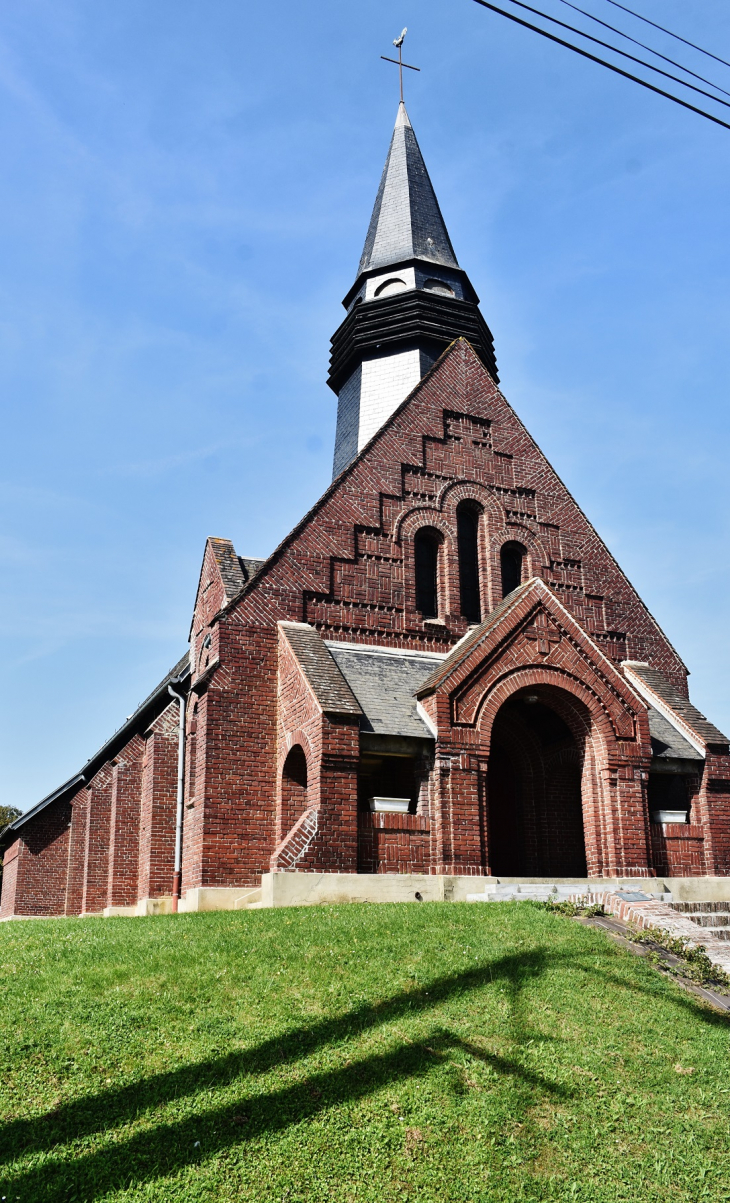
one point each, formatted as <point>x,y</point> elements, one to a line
<point>177,875</point>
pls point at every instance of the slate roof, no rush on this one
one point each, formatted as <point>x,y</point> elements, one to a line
<point>384,683</point>
<point>406,222</point>
<point>141,717</point>
<point>682,707</point>
<point>327,682</point>
<point>666,741</point>
<point>229,566</point>
<point>250,566</point>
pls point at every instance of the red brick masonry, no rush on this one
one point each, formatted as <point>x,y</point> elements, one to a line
<point>347,571</point>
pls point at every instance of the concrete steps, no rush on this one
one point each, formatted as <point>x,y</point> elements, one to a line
<point>524,892</point>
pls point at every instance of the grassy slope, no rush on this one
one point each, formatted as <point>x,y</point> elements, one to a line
<point>426,1052</point>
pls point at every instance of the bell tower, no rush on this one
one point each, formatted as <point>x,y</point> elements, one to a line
<point>409,301</point>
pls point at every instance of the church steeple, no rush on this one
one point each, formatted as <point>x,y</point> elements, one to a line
<point>406,221</point>
<point>409,301</point>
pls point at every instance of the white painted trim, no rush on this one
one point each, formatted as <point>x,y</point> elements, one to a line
<point>425,717</point>
<point>370,648</point>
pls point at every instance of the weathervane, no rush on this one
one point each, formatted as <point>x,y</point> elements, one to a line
<point>398,43</point>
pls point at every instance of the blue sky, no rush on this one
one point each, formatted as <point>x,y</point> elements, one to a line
<point>184,196</point>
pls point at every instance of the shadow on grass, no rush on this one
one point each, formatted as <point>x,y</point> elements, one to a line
<point>61,1174</point>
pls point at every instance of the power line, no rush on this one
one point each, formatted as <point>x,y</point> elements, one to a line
<point>624,54</point>
<point>643,45</point>
<point>602,62</point>
<point>672,35</point>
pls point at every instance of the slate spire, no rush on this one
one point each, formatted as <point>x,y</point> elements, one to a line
<point>406,222</point>
<point>409,301</point>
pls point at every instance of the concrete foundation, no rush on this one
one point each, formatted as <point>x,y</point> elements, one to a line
<point>330,889</point>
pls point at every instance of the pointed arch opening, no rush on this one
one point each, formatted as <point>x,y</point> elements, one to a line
<point>534,787</point>
<point>468,516</point>
<point>426,548</point>
<point>512,559</point>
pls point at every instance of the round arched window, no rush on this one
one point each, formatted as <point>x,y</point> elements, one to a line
<point>467,531</point>
<point>426,556</point>
<point>512,559</point>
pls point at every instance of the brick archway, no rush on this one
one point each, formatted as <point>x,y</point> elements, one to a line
<point>612,806</point>
<point>533,794</point>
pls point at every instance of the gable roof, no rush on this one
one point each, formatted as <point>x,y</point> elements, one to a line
<point>463,649</point>
<point>678,710</point>
<point>527,599</point>
<point>325,680</point>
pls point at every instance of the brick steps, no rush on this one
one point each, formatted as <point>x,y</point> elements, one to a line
<point>714,917</point>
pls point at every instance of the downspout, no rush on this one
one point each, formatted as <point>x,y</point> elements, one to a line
<point>177,874</point>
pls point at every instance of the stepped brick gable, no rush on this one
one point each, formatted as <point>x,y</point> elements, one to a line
<point>441,670</point>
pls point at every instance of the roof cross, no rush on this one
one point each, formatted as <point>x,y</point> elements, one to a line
<point>398,43</point>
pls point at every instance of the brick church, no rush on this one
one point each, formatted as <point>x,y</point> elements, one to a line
<point>441,671</point>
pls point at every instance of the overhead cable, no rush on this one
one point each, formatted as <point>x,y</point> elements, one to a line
<point>602,62</point>
<point>624,54</point>
<point>643,45</point>
<point>672,35</point>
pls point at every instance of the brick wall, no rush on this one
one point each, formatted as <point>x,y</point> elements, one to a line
<point>678,849</point>
<point>36,865</point>
<point>75,871</point>
<point>392,843</point>
<point>346,567</point>
<point>712,810</point>
<point>331,747</point>
<point>158,804</point>
<point>124,825</point>
<point>10,879</point>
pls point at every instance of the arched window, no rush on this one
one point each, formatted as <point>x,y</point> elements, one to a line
<point>426,555</point>
<point>293,788</point>
<point>467,530</point>
<point>512,557</point>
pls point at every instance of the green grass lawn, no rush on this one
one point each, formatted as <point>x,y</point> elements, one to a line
<point>423,1052</point>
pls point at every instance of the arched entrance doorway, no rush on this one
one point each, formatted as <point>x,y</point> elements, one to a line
<point>534,805</point>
